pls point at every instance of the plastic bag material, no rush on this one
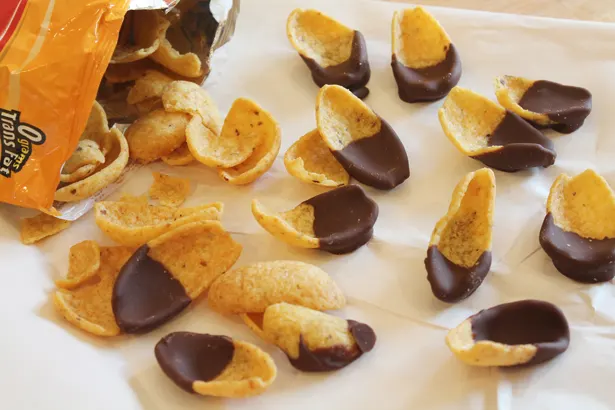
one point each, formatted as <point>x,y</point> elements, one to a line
<point>53,55</point>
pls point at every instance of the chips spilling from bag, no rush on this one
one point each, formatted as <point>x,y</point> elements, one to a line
<point>135,223</point>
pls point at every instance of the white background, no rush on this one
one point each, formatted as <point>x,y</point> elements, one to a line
<point>46,363</point>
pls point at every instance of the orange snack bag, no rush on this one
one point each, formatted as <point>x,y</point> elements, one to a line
<point>53,54</point>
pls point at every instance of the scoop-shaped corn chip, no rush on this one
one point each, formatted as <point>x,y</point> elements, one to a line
<point>187,64</point>
<point>124,73</point>
<point>141,199</point>
<point>310,160</point>
<point>83,263</point>
<point>525,332</point>
<point>78,174</point>
<point>338,221</point>
<point>168,190</point>
<point>134,223</point>
<point>500,139</point>
<point>425,63</point>
<point>544,103</point>
<point>252,288</point>
<point>115,162</point>
<point>156,134</point>
<point>40,227</point>
<point>87,153</point>
<point>190,98</point>
<point>578,232</point>
<point>244,128</point>
<point>148,29</point>
<point>459,254</point>
<point>366,145</point>
<point>261,159</point>
<point>315,341</point>
<point>88,305</point>
<point>334,53</point>
<point>206,249</point>
<point>212,365</point>
<point>181,156</point>
<point>147,87</point>
<point>163,276</point>
<point>97,129</point>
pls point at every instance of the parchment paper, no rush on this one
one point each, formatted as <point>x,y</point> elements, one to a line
<point>46,363</point>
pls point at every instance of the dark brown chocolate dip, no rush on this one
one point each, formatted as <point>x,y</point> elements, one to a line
<point>187,357</point>
<point>523,146</point>
<point>343,218</point>
<point>379,161</point>
<point>429,83</point>
<point>524,322</point>
<point>567,106</point>
<point>452,283</point>
<point>352,74</point>
<point>335,357</point>
<point>145,294</point>
<point>581,259</point>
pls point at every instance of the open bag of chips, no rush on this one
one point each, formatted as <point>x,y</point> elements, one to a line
<point>66,70</point>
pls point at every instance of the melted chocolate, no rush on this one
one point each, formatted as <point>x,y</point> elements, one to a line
<point>523,146</point>
<point>379,161</point>
<point>452,283</point>
<point>352,74</point>
<point>145,294</point>
<point>524,322</point>
<point>343,218</point>
<point>363,334</point>
<point>567,106</point>
<point>335,357</point>
<point>187,357</point>
<point>581,259</point>
<point>429,83</point>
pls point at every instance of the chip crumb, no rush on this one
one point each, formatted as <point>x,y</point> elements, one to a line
<point>168,190</point>
<point>40,227</point>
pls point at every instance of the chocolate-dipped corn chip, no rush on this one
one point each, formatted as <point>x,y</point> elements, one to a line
<point>500,139</point>
<point>526,332</point>
<point>212,365</point>
<point>364,143</point>
<point>339,221</point>
<point>578,232</point>
<point>425,63</point>
<point>459,254</point>
<point>544,103</point>
<point>312,340</point>
<point>334,53</point>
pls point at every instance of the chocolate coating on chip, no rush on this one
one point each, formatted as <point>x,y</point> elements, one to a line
<point>533,322</point>
<point>352,74</point>
<point>145,294</point>
<point>429,83</point>
<point>335,357</point>
<point>379,161</point>
<point>452,283</point>
<point>523,146</point>
<point>363,334</point>
<point>187,357</point>
<point>567,106</point>
<point>343,219</point>
<point>581,259</point>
